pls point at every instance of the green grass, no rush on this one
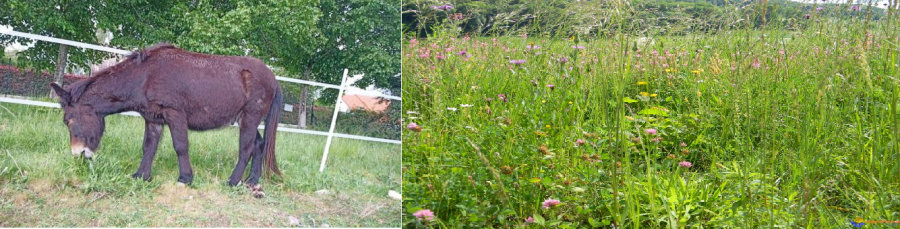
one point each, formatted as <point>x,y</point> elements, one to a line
<point>43,185</point>
<point>804,139</point>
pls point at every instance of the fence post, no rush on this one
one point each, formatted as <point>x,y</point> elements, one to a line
<point>333,121</point>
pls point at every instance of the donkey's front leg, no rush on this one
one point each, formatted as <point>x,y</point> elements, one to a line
<point>152,132</point>
<point>178,127</point>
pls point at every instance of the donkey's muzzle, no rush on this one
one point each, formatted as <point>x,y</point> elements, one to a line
<point>79,149</point>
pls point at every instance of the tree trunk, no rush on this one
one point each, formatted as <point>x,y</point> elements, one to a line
<point>301,122</point>
<point>61,60</point>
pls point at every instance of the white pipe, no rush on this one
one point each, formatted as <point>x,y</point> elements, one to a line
<point>333,121</point>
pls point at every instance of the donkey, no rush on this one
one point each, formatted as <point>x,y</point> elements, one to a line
<point>186,91</point>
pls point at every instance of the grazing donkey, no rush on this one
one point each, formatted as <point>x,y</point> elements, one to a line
<point>186,91</point>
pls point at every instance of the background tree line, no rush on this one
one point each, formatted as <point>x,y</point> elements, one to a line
<point>647,17</point>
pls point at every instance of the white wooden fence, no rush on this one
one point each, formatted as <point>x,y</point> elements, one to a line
<point>330,134</point>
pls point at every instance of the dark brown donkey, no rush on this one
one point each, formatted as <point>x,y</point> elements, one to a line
<point>186,91</point>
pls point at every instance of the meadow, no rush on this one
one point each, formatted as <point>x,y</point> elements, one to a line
<point>733,128</point>
<point>43,185</point>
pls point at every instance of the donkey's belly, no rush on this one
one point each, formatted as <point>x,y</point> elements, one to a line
<point>212,117</point>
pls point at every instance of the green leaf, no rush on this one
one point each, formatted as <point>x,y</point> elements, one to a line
<point>534,180</point>
<point>654,112</point>
<point>628,100</point>
<point>538,219</point>
<point>593,222</point>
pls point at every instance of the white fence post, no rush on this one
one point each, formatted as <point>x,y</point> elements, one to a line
<point>333,121</point>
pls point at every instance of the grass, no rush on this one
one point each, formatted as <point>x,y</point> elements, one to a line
<point>43,185</point>
<point>800,132</point>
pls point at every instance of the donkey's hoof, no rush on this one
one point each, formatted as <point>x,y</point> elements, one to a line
<point>145,177</point>
<point>258,194</point>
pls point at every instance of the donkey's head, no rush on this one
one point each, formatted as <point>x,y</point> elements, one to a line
<point>85,124</point>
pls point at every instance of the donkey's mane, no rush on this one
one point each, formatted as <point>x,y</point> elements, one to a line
<point>135,58</point>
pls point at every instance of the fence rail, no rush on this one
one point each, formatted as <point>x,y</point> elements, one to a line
<point>330,134</point>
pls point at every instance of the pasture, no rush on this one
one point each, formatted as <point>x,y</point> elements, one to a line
<point>43,185</point>
<point>736,128</point>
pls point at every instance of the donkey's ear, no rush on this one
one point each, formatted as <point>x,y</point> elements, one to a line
<point>64,95</point>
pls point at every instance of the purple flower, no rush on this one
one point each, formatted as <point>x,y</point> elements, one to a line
<point>820,8</point>
<point>424,215</point>
<point>529,220</point>
<point>517,61</point>
<point>580,142</point>
<point>577,47</point>
<point>684,164</point>
<point>549,203</point>
<point>650,131</point>
<point>808,16</point>
<point>462,53</point>
<point>683,144</point>
<point>442,7</point>
<point>414,127</point>
<point>563,60</point>
<point>551,86</point>
<point>502,97</point>
<point>532,47</point>
<point>854,8</point>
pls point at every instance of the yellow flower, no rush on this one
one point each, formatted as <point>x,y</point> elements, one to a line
<point>652,95</point>
<point>572,39</point>
<point>668,70</point>
<point>641,83</point>
<point>629,118</point>
<point>696,72</point>
<point>548,126</point>
<point>543,101</point>
<point>645,94</point>
<point>570,102</point>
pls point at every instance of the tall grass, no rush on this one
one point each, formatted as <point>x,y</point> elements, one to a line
<point>786,125</point>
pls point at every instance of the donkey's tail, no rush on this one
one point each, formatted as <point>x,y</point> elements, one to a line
<point>270,132</point>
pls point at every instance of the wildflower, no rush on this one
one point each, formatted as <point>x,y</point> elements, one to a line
<point>671,156</point>
<point>807,16</point>
<point>641,83</point>
<point>683,144</point>
<point>656,139</point>
<point>696,71</point>
<point>820,8</point>
<point>854,8</point>
<point>462,53</point>
<point>547,126</point>
<point>549,203</point>
<point>563,60</point>
<point>465,105</point>
<point>684,164</point>
<point>685,151</point>
<point>543,101</point>
<point>577,47</point>
<point>517,61</point>
<point>452,109</point>
<point>580,142</point>
<point>645,94</point>
<point>414,127</point>
<point>652,95</point>
<point>502,97</point>
<point>529,220</point>
<point>424,215</point>
<point>442,7</point>
<point>650,131</point>
<point>755,63</point>
<point>551,86</point>
<point>532,47</point>
<point>636,140</point>
<point>506,169</point>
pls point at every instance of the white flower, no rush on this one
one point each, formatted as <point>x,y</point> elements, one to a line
<point>411,112</point>
<point>465,105</point>
<point>452,108</point>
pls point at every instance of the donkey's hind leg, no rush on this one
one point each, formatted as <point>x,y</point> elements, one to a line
<point>257,159</point>
<point>248,135</point>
